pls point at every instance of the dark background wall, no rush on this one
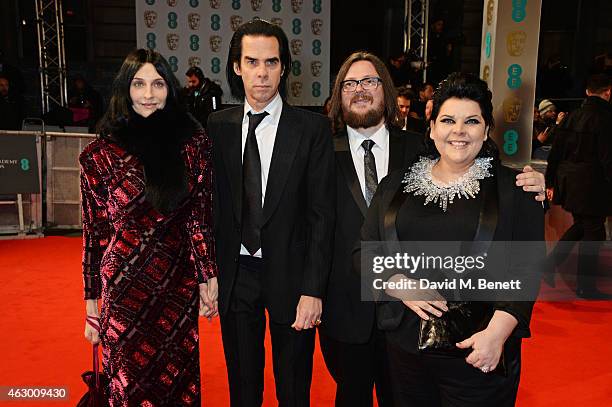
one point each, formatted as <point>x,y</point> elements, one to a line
<point>99,33</point>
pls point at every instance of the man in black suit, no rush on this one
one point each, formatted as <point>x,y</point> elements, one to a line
<point>580,171</point>
<point>274,216</point>
<point>369,144</point>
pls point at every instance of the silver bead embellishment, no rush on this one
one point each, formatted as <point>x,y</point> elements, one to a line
<point>420,182</point>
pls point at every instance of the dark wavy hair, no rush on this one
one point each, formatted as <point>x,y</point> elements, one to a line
<point>194,70</point>
<point>391,113</point>
<point>465,86</point>
<point>256,28</point>
<point>119,109</point>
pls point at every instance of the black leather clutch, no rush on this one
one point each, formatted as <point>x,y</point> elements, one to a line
<point>439,335</point>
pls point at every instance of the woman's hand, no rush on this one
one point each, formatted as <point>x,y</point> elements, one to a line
<point>91,311</point>
<point>421,308</point>
<point>420,301</point>
<point>486,350</point>
<point>487,345</point>
<point>208,298</point>
<point>213,295</point>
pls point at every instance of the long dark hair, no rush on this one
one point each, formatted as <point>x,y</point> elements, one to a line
<point>465,86</point>
<point>391,113</point>
<point>262,28</point>
<point>117,115</point>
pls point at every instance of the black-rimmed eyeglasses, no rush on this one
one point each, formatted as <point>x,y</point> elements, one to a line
<point>370,83</point>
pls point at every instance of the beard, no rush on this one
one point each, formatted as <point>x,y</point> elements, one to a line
<point>365,120</point>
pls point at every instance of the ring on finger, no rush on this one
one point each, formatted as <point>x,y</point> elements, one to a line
<point>485,369</point>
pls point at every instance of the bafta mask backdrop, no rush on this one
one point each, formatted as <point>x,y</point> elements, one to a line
<point>296,47</point>
<point>194,21</point>
<point>256,5</point>
<point>198,33</point>
<point>215,43</point>
<point>150,18</point>
<point>195,61</point>
<point>172,41</point>
<point>296,5</point>
<point>317,26</point>
<point>235,21</point>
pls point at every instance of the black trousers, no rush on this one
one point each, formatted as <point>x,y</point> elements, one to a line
<point>421,380</point>
<point>591,232</point>
<point>357,368</point>
<point>243,331</point>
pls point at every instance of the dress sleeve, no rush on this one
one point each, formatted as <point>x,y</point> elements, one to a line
<point>525,259</point>
<point>96,225</point>
<point>200,221</point>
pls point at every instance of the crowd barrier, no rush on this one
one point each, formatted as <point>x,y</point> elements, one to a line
<point>54,201</point>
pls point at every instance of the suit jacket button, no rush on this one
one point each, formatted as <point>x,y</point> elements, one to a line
<point>235,259</point>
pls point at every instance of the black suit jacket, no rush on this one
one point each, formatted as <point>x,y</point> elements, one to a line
<point>580,161</point>
<point>345,317</point>
<point>296,236</point>
<point>519,218</point>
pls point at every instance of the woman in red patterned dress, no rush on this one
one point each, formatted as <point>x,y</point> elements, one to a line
<point>148,247</point>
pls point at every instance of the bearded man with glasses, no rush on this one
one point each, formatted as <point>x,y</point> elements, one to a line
<point>369,144</point>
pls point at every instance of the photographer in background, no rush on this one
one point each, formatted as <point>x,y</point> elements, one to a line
<point>203,96</point>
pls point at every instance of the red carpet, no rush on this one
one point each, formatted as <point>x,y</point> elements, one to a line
<point>567,363</point>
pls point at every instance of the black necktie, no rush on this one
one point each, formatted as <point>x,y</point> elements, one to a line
<point>252,211</point>
<point>369,164</point>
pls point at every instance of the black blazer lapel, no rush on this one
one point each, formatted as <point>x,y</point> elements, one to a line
<point>345,161</point>
<point>233,158</point>
<point>288,135</point>
<point>397,147</point>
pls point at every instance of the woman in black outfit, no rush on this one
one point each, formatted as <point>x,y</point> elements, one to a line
<point>459,192</point>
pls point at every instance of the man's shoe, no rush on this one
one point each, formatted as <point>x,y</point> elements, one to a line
<point>593,294</point>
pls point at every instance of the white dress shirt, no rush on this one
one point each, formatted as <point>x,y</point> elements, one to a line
<point>380,149</point>
<point>265,134</point>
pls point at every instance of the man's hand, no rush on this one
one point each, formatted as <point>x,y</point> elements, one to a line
<point>532,181</point>
<point>208,305</point>
<point>308,313</point>
<point>560,118</point>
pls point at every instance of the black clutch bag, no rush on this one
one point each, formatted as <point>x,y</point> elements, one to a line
<point>439,335</point>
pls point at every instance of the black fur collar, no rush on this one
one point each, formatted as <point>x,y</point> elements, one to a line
<point>157,141</point>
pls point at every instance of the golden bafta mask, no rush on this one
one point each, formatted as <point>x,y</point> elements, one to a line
<point>150,18</point>
<point>216,4</point>
<point>277,21</point>
<point>296,46</point>
<point>315,68</point>
<point>490,11</point>
<point>194,61</point>
<point>512,109</point>
<point>296,89</point>
<point>515,43</point>
<point>215,43</point>
<point>486,73</point>
<point>172,3</point>
<point>194,21</point>
<point>256,5</point>
<point>296,5</point>
<point>317,26</point>
<point>235,22</point>
<point>172,41</point>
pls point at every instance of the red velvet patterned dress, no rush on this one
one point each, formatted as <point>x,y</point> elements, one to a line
<point>146,266</point>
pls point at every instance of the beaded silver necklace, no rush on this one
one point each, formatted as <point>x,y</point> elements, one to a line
<point>420,182</point>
